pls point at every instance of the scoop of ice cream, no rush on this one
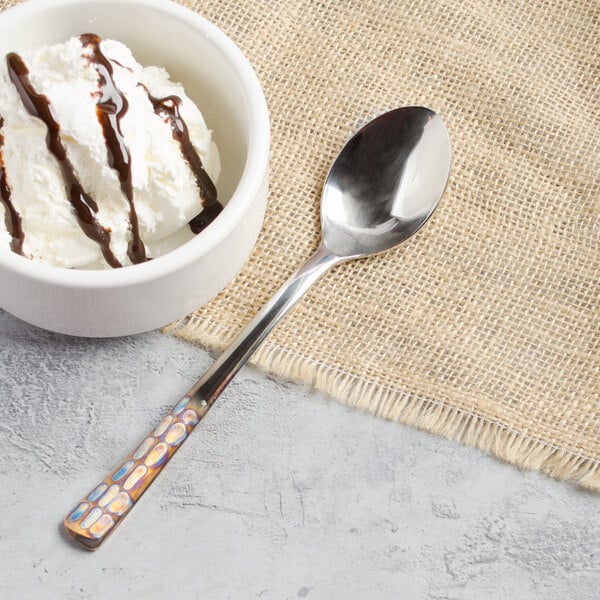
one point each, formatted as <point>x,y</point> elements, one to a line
<point>103,162</point>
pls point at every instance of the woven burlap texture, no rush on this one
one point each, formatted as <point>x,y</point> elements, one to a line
<point>485,326</point>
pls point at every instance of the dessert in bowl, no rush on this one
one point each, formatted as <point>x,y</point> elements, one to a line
<point>175,239</point>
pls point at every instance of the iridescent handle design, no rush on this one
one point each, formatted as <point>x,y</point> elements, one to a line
<point>97,515</point>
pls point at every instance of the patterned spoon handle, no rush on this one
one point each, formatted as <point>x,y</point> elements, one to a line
<point>97,515</point>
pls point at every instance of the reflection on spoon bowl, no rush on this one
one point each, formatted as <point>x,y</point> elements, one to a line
<point>386,182</point>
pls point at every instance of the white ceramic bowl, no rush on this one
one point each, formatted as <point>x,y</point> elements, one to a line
<point>218,77</point>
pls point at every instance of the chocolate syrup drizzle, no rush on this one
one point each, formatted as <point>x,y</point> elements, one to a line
<point>11,216</point>
<point>167,108</point>
<point>201,221</point>
<point>84,206</point>
<point>110,109</point>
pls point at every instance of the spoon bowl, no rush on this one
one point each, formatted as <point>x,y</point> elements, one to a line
<point>385,183</point>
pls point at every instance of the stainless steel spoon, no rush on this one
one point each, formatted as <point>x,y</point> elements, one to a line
<point>381,189</point>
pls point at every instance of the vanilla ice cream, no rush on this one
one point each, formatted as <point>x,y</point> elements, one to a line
<point>103,162</point>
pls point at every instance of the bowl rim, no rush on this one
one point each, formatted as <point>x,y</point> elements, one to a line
<point>248,188</point>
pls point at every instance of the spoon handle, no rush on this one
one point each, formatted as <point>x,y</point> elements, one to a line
<point>98,514</point>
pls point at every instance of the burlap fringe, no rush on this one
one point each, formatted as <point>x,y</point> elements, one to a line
<point>492,437</point>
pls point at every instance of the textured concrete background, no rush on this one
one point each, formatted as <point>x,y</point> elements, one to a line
<point>280,494</point>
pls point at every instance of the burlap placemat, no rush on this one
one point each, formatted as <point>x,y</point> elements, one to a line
<point>485,326</point>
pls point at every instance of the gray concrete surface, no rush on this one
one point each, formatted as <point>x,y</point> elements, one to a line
<point>280,494</point>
